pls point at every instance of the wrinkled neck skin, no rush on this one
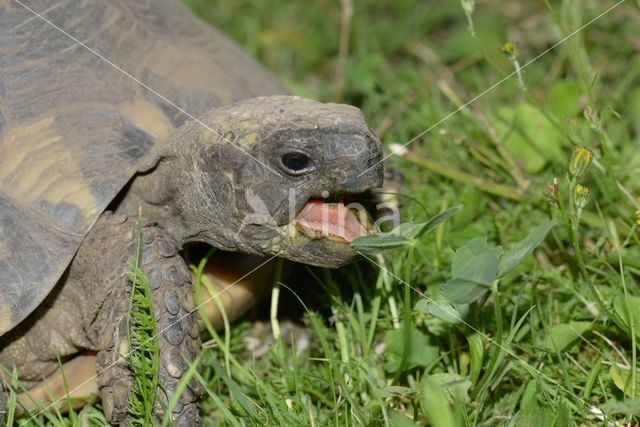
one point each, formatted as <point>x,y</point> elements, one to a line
<point>167,191</point>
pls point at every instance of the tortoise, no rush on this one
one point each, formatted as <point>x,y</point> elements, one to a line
<point>108,109</point>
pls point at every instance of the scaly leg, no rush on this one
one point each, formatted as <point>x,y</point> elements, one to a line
<point>173,302</point>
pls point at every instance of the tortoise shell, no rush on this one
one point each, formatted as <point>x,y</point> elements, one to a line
<point>77,122</point>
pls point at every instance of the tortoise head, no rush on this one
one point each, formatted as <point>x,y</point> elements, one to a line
<point>278,175</point>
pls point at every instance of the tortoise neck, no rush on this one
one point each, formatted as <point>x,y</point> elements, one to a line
<point>155,193</point>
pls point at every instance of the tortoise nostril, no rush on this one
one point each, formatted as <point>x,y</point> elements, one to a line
<point>369,141</point>
<point>374,148</point>
<point>371,161</point>
<point>376,157</point>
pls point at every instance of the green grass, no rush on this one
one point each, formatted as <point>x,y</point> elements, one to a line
<point>541,347</point>
<point>143,342</point>
<point>553,342</point>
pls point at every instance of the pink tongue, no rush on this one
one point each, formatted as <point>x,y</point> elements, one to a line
<point>331,219</point>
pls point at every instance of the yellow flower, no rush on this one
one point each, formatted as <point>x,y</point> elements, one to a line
<point>638,217</point>
<point>581,196</point>
<point>581,159</point>
<point>509,48</point>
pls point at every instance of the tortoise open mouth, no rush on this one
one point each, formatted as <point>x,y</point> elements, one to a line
<point>337,220</point>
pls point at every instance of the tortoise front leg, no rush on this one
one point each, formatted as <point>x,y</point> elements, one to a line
<point>173,302</point>
<point>239,283</point>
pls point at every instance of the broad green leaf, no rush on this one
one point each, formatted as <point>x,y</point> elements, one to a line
<point>442,310</point>
<point>481,269</point>
<point>532,413</point>
<point>513,257</point>
<point>455,386</point>
<point>622,380</point>
<point>472,248</point>
<point>402,235</point>
<point>562,335</point>
<point>473,268</point>
<point>422,352</point>
<point>398,419</point>
<point>530,395</point>
<point>476,261</point>
<point>563,415</point>
<point>436,404</point>
<point>461,291</point>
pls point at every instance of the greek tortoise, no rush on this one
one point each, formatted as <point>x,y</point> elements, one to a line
<point>85,141</point>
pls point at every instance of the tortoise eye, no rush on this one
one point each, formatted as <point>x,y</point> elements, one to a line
<point>296,162</point>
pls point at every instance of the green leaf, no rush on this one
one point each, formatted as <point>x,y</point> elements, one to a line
<point>473,268</point>
<point>622,379</point>
<point>402,235</point>
<point>461,291</point>
<point>463,257</point>
<point>625,407</point>
<point>512,258</point>
<point>378,242</point>
<point>532,413</point>
<point>476,355</point>
<point>435,221</point>
<point>422,352</point>
<point>398,419</point>
<point>629,317</point>
<point>455,386</point>
<point>480,269</point>
<point>442,310</point>
<point>563,415</point>
<point>436,404</point>
<point>562,335</point>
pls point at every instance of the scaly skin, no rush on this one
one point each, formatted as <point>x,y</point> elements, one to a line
<point>178,333</point>
<point>90,312</point>
<point>80,381</point>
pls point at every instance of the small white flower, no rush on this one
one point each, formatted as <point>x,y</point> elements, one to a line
<point>597,412</point>
<point>398,149</point>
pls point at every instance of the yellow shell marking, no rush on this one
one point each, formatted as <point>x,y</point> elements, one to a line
<point>36,166</point>
<point>148,117</point>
